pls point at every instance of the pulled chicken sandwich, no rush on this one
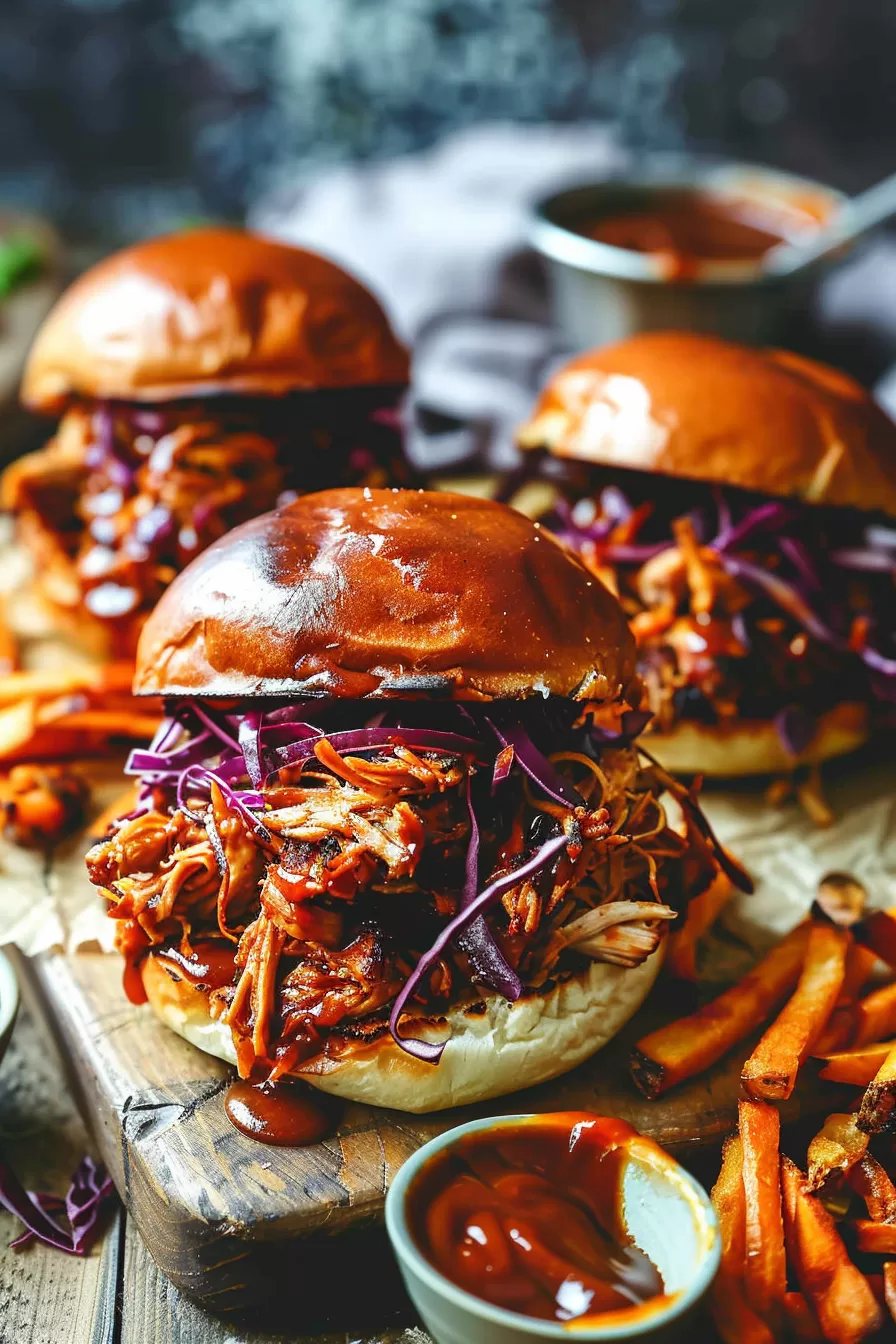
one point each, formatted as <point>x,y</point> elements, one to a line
<point>198,376</point>
<point>396,835</point>
<point>741,503</point>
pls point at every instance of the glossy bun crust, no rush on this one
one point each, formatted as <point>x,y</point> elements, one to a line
<point>210,311</point>
<point>375,592</point>
<point>693,406</point>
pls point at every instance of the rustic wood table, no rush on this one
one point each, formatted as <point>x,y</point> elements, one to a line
<point>116,1295</point>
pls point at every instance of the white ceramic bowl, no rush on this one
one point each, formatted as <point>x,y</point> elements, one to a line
<point>668,1214</point>
<point>9,1000</point>
<point>603,293</point>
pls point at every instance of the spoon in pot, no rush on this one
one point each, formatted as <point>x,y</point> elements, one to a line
<point>857,216</point>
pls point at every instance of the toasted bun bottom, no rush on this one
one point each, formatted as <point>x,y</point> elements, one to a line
<point>753,747</point>
<point>503,1047</point>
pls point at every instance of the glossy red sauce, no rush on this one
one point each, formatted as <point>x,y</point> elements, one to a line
<point>528,1217</point>
<point>691,227</point>
<point>211,964</point>
<point>287,1115</point>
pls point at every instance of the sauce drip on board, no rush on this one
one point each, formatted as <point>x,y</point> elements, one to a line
<point>286,1115</point>
<point>529,1217</point>
<point>692,227</point>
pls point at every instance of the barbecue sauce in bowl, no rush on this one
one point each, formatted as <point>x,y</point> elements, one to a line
<point>689,228</point>
<point>529,1217</point>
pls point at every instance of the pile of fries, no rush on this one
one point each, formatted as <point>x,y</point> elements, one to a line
<point>806,1254</point>
<point>57,713</point>
<point>61,710</point>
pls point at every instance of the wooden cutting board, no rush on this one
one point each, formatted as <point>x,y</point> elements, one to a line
<point>230,1220</point>
<point>226,1218</point>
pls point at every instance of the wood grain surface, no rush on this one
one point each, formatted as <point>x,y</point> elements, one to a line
<point>229,1220</point>
<point>225,1218</point>
<point>117,1295</point>
<point>47,1297</point>
<point>155,1312</point>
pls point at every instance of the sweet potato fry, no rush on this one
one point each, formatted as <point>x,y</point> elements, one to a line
<point>874,1238</point>
<point>860,962</point>
<point>890,1287</point>
<point>878,931</point>
<point>876,1110</point>
<point>728,1201</point>
<point>876,1284</point>
<point>840,1031</point>
<point>732,1316</point>
<point>45,683</point>
<point>9,644</point>
<point>856,1067</point>
<point>876,1015</point>
<point>17,725</point>
<point>771,1070</point>
<point>839,1293</point>
<point>872,1184</point>
<point>690,1045</point>
<point>702,913</point>
<point>802,1322</point>
<point>836,1149</point>
<point>765,1274</point>
<point>735,1321</point>
<point>112,723</point>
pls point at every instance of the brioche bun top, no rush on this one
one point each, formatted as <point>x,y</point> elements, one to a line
<point>351,593</point>
<point>693,406</point>
<point>210,311</point>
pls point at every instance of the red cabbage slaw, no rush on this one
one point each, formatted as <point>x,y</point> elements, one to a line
<point>367,439</point>
<point>809,580</point>
<point>89,1193</point>
<point>242,752</point>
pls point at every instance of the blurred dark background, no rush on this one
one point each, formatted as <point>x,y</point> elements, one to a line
<point>121,117</point>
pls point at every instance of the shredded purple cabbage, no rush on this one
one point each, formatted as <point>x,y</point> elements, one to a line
<point>89,1193</point>
<point>796,728</point>
<point>533,762</point>
<point>486,958</point>
<point>462,921</point>
<point>809,583</point>
<point>242,752</point>
<point>632,725</point>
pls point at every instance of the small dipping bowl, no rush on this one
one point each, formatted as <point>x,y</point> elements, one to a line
<point>604,293</point>
<point>665,1212</point>
<point>9,1001</point>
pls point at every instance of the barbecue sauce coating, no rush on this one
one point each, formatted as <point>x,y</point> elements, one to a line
<point>210,966</point>
<point>529,1217</point>
<point>687,228</point>
<point>285,1115</point>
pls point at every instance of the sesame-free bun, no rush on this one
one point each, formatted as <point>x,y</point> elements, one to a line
<point>494,1047</point>
<point>730,750</point>
<point>210,311</point>
<point>687,405</point>
<point>376,592</point>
